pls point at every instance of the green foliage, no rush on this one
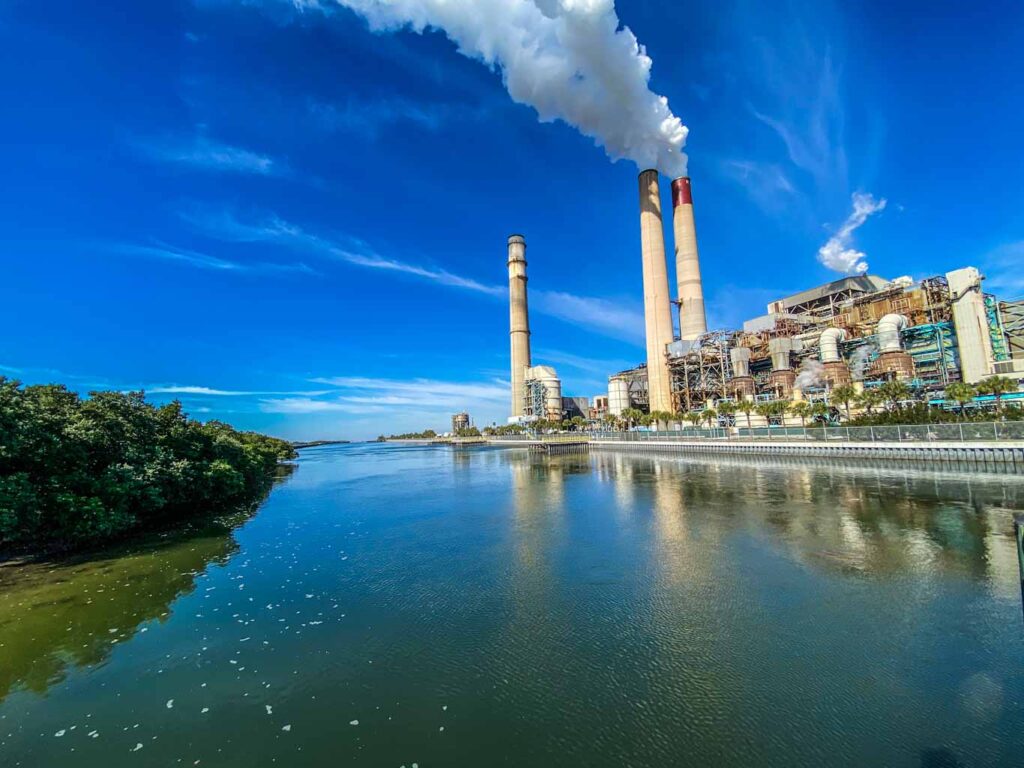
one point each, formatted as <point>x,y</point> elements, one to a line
<point>801,409</point>
<point>467,432</point>
<point>427,434</point>
<point>79,471</point>
<point>844,394</point>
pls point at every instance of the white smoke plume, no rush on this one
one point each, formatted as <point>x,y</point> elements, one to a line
<point>860,361</point>
<point>836,253</point>
<point>568,59</point>
<point>811,374</point>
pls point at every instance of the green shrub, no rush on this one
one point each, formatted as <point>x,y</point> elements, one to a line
<point>77,471</point>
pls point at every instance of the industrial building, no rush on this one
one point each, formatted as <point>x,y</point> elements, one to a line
<point>859,330</point>
<point>460,421</point>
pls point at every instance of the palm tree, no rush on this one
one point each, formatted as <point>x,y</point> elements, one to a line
<point>746,406</point>
<point>962,393</point>
<point>631,416</point>
<point>801,409</point>
<point>646,419</point>
<point>894,393</point>
<point>997,386</point>
<point>661,417</point>
<point>868,399</point>
<point>679,417</point>
<point>727,408</point>
<point>766,410</point>
<point>844,394</point>
<point>820,411</point>
<point>695,417</point>
<point>710,415</point>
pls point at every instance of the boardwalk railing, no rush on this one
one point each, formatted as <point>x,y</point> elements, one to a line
<point>966,432</point>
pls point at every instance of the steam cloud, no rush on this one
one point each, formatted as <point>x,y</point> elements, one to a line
<point>861,361</point>
<point>568,59</point>
<point>837,253</point>
<point>811,374</point>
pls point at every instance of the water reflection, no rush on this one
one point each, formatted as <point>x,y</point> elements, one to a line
<point>58,616</point>
<point>73,615</point>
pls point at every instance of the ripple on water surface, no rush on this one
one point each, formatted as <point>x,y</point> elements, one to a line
<point>427,606</point>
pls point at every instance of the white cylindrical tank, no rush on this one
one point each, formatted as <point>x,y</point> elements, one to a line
<point>889,328</point>
<point>618,396</point>
<point>548,378</point>
<point>828,344</point>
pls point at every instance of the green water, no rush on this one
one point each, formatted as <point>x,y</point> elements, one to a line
<point>393,606</point>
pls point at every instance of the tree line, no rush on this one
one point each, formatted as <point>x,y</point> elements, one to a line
<point>79,471</point>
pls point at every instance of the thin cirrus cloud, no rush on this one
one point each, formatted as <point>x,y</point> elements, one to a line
<point>200,260</point>
<point>178,389</point>
<point>605,316</point>
<point>205,154</point>
<point>364,395</point>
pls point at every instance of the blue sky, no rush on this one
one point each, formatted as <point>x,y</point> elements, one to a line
<point>298,225</point>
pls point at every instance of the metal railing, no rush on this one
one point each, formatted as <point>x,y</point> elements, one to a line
<point>917,433</point>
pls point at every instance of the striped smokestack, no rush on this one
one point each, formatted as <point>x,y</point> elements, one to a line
<point>692,321</point>
<point>657,305</point>
<point>519,319</point>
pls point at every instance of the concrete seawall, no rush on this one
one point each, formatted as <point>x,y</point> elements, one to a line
<point>1005,453</point>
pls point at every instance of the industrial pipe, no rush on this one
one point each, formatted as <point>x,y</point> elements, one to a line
<point>889,328</point>
<point>828,344</point>
<point>690,289</point>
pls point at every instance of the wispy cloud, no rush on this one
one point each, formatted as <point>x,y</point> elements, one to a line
<point>837,253</point>
<point>363,395</point>
<point>177,389</point>
<point>765,183</point>
<point>203,260</point>
<point>1002,267</point>
<point>610,318</point>
<point>203,153</point>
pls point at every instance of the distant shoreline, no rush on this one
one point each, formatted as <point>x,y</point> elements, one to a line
<point>315,443</point>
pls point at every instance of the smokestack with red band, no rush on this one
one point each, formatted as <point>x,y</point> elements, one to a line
<point>657,304</point>
<point>519,320</point>
<point>692,322</point>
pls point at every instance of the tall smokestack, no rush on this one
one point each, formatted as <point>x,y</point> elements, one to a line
<point>657,307</point>
<point>692,321</point>
<point>519,319</point>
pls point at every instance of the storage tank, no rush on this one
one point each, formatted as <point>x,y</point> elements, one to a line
<point>618,396</point>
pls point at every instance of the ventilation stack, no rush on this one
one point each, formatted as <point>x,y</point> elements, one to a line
<point>742,382</point>
<point>657,305</point>
<point>519,322</point>
<point>836,371</point>
<point>692,320</point>
<point>892,359</point>
<point>783,377</point>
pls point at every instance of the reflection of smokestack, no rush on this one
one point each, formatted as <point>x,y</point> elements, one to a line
<point>692,322</point>
<point>519,320</point>
<point>657,309</point>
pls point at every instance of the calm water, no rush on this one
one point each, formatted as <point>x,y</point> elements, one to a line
<point>394,606</point>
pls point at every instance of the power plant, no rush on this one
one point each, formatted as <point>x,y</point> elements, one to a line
<point>860,330</point>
